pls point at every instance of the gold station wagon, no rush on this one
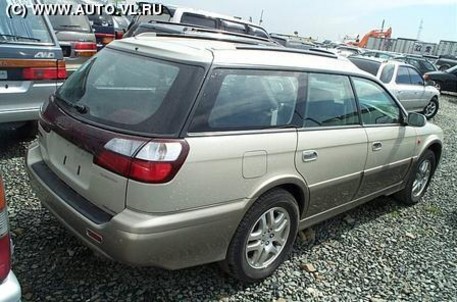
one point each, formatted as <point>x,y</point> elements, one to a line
<point>184,150</point>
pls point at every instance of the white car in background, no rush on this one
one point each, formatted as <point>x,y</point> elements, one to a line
<point>10,290</point>
<point>404,81</point>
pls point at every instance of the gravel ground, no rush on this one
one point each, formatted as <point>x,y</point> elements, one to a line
<point>380,251</point>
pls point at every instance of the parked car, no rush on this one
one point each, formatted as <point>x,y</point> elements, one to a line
<point>446,62</point>
<point>31,66</point>
<point>106,27</point>
<point>201,18</point>
<point>76,37</point>
<point>10,290</point>
<point>444,80</point>
<point>422,65</point>
<point>181,151</point>
<point>379,54</point>
<point>405,82</point>
<point>292,42</point>
<point>347,51</point>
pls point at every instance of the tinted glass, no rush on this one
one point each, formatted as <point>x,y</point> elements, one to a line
<point>366,65</point>
<point>31,29</point>
<point>243,100</point>
<point>427,66</point>
<point>198,20</point>
<point>387,73</point>
<point>69,23</point>
<point>416,78</point>
<point>377,106</point>
<point>403,76</point>
<point>133,92</point>
<point>233,27</point>
<point>330,101</point>
<point>258,32</point>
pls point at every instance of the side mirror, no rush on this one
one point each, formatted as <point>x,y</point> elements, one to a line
<point>416,119</point>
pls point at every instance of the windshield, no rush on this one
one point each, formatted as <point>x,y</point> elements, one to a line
<point>31,29</point>
<point>132,93</point>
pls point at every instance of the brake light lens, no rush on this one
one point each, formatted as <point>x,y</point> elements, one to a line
<point>426,77</point>
<point>149,162</point>
<point>119,35</point>
<point>105,38</point>
<point>46,73</point>
<point>5,248</point>
<point>85,49</point>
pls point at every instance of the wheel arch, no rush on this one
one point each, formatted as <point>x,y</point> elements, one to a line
<point>295,186</point>
<point>437,149</point>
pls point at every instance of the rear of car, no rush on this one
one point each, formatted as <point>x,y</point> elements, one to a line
<point>10,290</point>
<point>76,36</point>
<point>31,65</point>
<point>120,127</point>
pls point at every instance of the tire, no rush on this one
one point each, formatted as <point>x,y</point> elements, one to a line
<point>419,179</point>
<point>432,108</point>
<point>256,230</point>
<point>438,85</point>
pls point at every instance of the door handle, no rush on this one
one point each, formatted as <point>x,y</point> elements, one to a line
<point>309,156</point>
<point>377,146</point>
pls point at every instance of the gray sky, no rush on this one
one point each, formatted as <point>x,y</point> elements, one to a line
<point>324,19</point>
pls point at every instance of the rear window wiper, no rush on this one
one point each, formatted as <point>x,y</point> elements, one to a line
<point>80,108</point>
<point>20,37</point>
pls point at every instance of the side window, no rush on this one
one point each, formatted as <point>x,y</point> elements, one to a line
<point>244,99</point>
<point>403,76</point>
<point>198,20</point>
<point>330,101</point>
<point>387,73</point>
<point>377,106</point>
<point>416,78</point>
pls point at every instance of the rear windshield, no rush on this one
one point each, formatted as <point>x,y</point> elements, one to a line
<point>79,23</point>
<point>70,23</point>
<point>366,65</point>
<point>31,29</point>
<point>132,93</point>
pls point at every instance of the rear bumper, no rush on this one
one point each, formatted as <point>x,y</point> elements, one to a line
<point>22,103</point>
<point>10,290</point>
<point>170,241</point>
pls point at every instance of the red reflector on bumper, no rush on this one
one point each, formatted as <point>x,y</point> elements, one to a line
<point>94,236</point>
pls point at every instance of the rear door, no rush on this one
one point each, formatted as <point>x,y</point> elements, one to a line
<point>31,65</point>
<point>332,145</point>
<point>421,98</point>
<point>403,88</point>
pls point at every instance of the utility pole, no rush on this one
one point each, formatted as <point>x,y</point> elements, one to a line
<point>261,18</point>
<point>419,32</point>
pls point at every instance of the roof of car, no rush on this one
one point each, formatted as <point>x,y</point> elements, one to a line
<point>221,52</point>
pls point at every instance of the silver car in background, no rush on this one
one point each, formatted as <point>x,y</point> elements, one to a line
<point>31,65</point>
<point>405,82</point>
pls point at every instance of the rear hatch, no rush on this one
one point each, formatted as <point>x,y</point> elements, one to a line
<point>31,62</point>
<point>115,105</point>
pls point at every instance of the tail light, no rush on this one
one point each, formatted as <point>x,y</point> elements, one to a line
<point>85,49</point>
<point>426,77</point>
<point>156,161</point>
<point>58,72</point>
<point>5,248</point>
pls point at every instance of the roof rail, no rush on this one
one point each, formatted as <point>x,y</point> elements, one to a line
<point>311,51</point>
<point>210,36</point>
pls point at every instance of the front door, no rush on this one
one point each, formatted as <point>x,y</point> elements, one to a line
<point>390,144</point>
